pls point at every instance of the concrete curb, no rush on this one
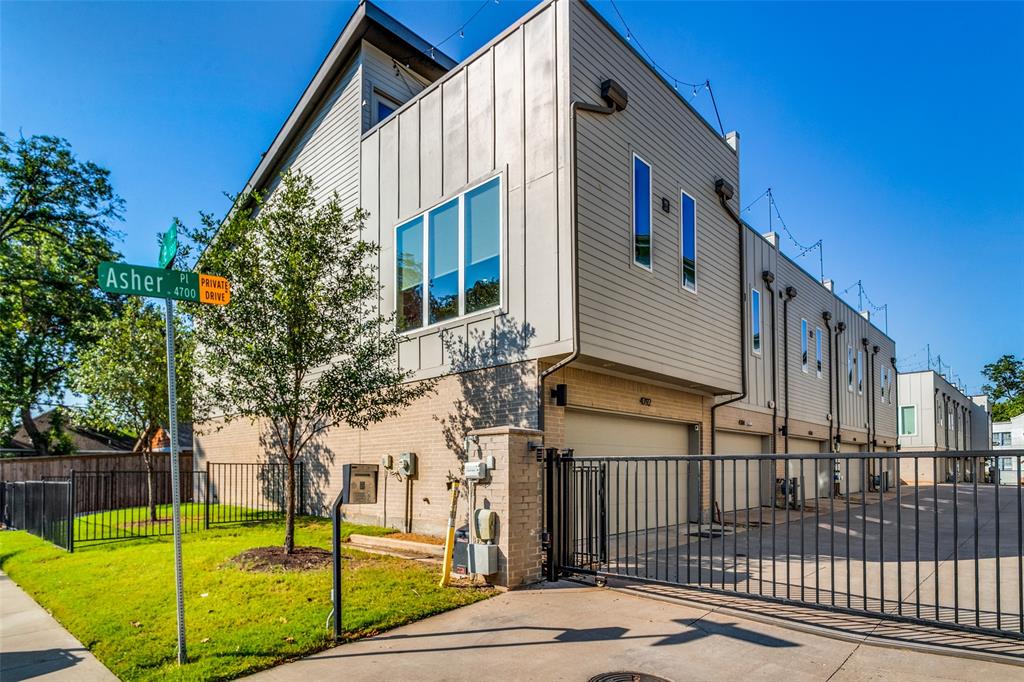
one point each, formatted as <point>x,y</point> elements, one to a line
<point>383,543</point>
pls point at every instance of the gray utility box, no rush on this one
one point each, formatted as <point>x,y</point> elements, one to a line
<point>483,559</point>
<point>359,483</point>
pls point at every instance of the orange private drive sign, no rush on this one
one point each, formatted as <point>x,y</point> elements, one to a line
<point>214,290</point>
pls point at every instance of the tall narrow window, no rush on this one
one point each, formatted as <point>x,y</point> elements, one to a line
<point>409,247</point>
<point>881,382</point>
<point>443,262</point>
<point>688,240</point>
<point>804,344</point>
<point>849,368</point>
<point>483,247</point>
<point>817,349</point>
<point>641,212</point>
<point>908,420</point>
<point>860,371</point>
<point>755,320</point>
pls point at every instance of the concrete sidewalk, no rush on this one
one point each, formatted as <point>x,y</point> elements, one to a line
<point>33,646</point>
<point>570,632</point>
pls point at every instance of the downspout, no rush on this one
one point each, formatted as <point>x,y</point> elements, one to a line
<point>790,295</point>
<point>827,317</point>
<point>725,192</point>
<point>867,394</point>
<point>617,100</point>
<point>768,277</point>
<point>874,405</point>
<point>840,328</point>
<point>895,396</point>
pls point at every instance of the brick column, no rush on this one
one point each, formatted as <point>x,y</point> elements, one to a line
<point>515,492</point>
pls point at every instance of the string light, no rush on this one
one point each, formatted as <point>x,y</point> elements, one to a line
<point>696,87</point>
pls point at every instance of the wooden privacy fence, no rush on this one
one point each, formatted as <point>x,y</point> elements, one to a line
<point>40,468</point>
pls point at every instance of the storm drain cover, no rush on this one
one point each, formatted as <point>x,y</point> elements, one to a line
<point>626,676</point>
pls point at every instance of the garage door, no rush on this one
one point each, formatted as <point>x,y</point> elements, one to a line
<point>805,446</point>
<point>738,494</point>
<point>596,434</point>
<point>641,495</point>
<point>854,482</point>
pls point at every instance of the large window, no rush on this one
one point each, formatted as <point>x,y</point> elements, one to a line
<point>908,420</point>
<point>460,244</point>
<point>755,320</point>
<point>641,212</point>
<point>849,368</point>
<point>804,345</point>
<point>688,239</point>
<point>860,371</point>
<point>1001,439</point>
<point>817,349</point>
<point>409,267</point>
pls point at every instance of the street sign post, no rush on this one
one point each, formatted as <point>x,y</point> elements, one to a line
<point>170,285</point>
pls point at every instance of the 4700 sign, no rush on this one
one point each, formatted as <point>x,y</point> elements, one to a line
<point>139,280</point>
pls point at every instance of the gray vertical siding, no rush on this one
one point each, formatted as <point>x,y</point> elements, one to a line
<point>629,315</point>
<point>494,114</point>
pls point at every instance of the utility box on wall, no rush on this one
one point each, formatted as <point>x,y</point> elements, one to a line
<point>359,483</point>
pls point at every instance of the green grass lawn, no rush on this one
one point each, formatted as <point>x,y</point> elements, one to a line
<point>118,598</point>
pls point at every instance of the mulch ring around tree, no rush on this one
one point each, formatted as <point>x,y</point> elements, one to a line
<point>263,559</point>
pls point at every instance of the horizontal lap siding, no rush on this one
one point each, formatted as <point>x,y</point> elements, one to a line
<point>384,74</point>
<point>496,113</point>
<point>328,150</point>
<point>627,312</point>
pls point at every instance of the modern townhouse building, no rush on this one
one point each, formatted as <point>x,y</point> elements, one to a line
<point>935,416</point>
<point>1009,435</point>
<point>561,246</point>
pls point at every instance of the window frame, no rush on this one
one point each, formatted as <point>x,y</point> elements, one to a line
<point>378,97</point>
<point>805,346</point>
<point>632,211</point>
<point>819,356</point>
<point>899,428</point>
<point>755,296</point>
<point>860,372</point>
<point>423,216</point>
<point>849,367</point>
<point>682,243</point>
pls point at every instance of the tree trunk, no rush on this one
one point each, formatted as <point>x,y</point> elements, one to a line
<point>147,457</point>
<point>39,440</point>
<point>289,519</point>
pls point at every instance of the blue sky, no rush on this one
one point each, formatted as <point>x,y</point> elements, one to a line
<point>893,132</point>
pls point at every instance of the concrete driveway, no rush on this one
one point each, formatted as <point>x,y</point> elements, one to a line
<point>570,632</point>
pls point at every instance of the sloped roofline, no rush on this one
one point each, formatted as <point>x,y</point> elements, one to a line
<point>376,26</point>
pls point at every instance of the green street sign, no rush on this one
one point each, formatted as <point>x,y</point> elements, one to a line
<point>169,246</point>
<point>138,280</point>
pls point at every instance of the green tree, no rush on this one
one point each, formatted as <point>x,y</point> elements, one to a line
<point>124,377</point>
<point>302,346</point>
<point>1006,388</point>
<point>55,216</point>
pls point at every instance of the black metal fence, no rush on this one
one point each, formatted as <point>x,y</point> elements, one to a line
<point>42,508</point>
<point>121,505</point>
<point>874,533</point>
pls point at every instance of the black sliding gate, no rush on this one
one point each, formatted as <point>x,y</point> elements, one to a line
<point>937,540</point>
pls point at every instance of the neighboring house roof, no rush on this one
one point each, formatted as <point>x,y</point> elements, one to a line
<point>83,438</point>
<point>376,26</point>
<point>161,443</point>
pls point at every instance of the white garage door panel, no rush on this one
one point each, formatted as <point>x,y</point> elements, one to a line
<point>738,493</point>
<point>854,482</point>
<point>596,434</point>
<point>804,446</point>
